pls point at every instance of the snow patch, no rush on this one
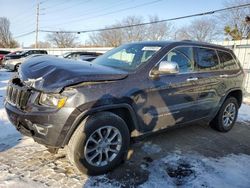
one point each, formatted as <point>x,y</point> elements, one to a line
<point>17,183</point>
<point>150,148</point>
<point>244,113</point>
<point>9,136</point>
<point>194,170</point>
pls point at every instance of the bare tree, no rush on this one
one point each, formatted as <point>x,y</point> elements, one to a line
<point>116,37</point>
<point>135,33</point>
<point>41,44</point>
<point>62,40</point>
<point>200,29</point>
<point>234,23</point>
<point>158,31</point>
<point>107,38</point>
<point>6,40</point>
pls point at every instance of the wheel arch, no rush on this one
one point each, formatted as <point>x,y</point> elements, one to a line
<point>235,92</point>
<point>238,94</point>
<point>125,111</point>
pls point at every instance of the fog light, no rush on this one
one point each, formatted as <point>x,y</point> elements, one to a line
<point>41,129</point>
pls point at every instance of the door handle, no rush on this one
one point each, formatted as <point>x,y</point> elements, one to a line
<point>192,79</point>
<point>224,75</point>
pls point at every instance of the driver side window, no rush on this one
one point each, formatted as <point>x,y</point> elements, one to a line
<point>183,56</point>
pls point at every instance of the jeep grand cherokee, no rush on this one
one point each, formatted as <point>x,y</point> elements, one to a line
<point>95,108</point>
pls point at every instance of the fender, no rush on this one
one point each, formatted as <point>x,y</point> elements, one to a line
<point>86,113</point>
<point>223,98</point>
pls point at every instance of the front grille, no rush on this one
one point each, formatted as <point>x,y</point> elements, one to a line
<point>17,94</point>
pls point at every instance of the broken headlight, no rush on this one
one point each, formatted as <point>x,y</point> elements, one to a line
<point>52,100</point>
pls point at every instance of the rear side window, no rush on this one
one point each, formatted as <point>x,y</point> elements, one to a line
<point>227,61</point>
<point>206,59</point>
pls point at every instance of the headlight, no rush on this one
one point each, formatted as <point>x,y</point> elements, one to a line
<point>52,100</point>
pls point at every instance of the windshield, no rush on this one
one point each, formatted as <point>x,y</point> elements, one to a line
<point>127,57</point>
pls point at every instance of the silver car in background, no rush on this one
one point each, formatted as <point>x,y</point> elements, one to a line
<point>13,64</point>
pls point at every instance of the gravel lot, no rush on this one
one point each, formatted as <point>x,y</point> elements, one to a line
<point>191,156</point>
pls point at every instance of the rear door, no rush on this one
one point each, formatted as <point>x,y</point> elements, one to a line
<point>209,82</point>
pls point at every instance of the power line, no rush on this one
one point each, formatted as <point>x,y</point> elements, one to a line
<point>90,11</point>
<point>24,34</point>
<point>120,10</point>
<point>66,8</point>
<point>30,22</point>
<point>154,22</point>
<point>23,13</point>
<point>57,4</point>
<point>145,23</point>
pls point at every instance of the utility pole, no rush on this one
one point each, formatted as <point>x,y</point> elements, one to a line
<point>37,23</point>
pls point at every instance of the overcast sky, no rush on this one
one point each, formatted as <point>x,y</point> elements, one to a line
<point>93,14</point>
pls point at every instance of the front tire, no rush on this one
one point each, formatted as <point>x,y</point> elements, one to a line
<point>17,67</point>
<point>99,144</point>
<point>227,115</point>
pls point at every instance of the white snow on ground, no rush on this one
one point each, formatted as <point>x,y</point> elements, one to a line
<point>194,170</point>
<point>150,148</point>
<point>244,113</point>
<point>17,183</point>
<point>9,137</point>
<point>247,99</point>
<point>8,134</point>
<point>185,170</point>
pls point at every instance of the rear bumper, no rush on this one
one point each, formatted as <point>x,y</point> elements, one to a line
<point>47,128</point>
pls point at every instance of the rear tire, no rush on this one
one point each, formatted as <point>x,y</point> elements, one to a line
<point>227,115</point>
<point>94,137</point>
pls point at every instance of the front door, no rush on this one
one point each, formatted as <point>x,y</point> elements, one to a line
<point>171,99</point>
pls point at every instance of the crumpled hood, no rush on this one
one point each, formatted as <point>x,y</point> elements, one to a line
<point>52,74</point>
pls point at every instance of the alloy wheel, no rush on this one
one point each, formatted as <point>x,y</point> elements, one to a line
<point>103,146</point>
<point>229,115</point>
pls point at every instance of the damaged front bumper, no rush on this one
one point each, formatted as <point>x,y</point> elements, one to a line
<point>44,127</point>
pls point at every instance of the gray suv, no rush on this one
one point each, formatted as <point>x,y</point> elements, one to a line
<point>94,109</point>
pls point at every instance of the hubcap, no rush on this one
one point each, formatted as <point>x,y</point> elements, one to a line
<point>103,146</point>
<point>229,115</point>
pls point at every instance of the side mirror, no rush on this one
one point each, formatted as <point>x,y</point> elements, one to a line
<point>167,67</point>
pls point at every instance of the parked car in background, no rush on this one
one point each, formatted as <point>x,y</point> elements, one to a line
<point>84,56</point>
<point>14,64</point>
<point>87,58</point>
<point>95,108</point>
<point>25,53</point>
<point>2,54</point>
<point>15,53</point>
